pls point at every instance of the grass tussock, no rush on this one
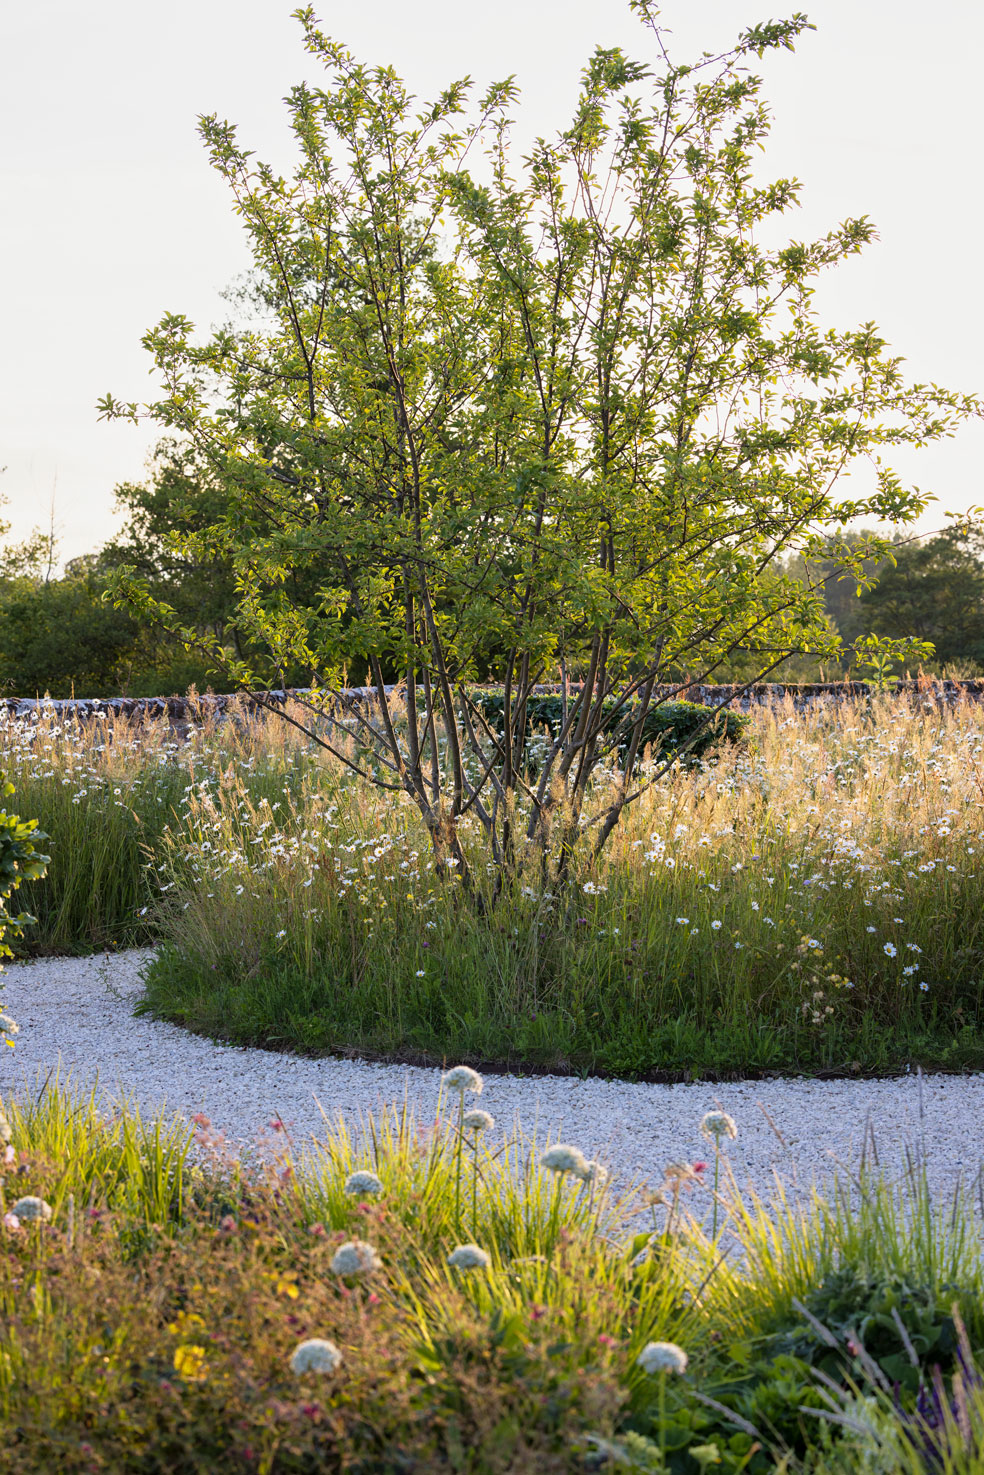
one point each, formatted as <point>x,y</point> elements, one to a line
<point>811,900</point>
<point>154,1305</point>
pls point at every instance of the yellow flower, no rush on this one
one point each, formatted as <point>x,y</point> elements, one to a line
<point>286,1287</point>
<point>190,1364</point>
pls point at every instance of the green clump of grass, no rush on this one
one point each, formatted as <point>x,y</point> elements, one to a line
<point>153,1312</point>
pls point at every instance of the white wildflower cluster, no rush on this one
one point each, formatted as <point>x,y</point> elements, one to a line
<point>469,1257</point>
<point>31,1210</point>
<point>363,1182</point>
<point>564,1159</point>
<point>662,1357</point>
<point>355,1257</point>
<point>316,1355</point>
<point>477,1121</point>
<point>718,1124</point>
<point>462,1079</point>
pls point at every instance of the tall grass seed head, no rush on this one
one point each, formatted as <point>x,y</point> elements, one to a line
<point>469,1257</point>
<point>316,1355</point>
<point>662,1357</point>
<point>363,1182</point>
<point>718,1124</point>
<point>355,1257</point>
<point>562,1158</point>
<point>462,1078</point>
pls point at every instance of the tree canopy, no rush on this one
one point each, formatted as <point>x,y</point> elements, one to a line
<point>561,414</point>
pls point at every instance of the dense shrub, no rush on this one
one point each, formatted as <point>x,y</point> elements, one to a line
<point>688,728</point>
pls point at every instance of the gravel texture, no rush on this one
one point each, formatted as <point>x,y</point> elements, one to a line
<point>75,1014</point>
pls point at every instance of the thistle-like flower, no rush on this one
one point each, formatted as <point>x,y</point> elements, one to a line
<point>562,1158</point>
<point>718,1124</point>
<point>477,1121</point>
<point>680,1172</point>
<point>316,1355</point>
<point>462,1078</point>
<point>31,1209</point>
<point>355,1257</point>
<point>469,1257</point>
<point>662,1357</point>
<point>363,1182</point>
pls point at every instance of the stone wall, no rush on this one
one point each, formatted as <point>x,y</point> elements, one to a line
<point>184,710</point>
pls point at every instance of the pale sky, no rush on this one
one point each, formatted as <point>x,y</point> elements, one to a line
<point>111,214</point>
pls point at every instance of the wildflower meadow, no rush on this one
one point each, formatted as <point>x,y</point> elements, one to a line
<point>452,1294</point>
<point>807,898</point>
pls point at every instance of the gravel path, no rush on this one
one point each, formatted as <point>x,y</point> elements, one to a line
<point>76,1014</point>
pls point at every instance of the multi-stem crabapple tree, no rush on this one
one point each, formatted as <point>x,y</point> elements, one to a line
<point>553,413</point>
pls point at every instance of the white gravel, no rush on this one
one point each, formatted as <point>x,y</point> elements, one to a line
<point>75,1014</point>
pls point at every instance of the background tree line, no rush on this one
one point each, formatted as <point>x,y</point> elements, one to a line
<point>58,634</point>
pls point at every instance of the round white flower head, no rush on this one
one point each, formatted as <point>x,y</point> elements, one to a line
<point>317,1355</point>
<point>462,1078</point>
<point>595,1173</point>
<point>562,1158</point>
<point>363,1182</point>
<point>469,1257</point>
<point>662,1357</point>
<point>31,1208</point>
<point>477,1121</point>
<point>6,1130</point>
<point>355,1257</point>
<point>718,1124</point>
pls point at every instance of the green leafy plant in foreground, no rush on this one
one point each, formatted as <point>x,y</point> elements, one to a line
<point>20,860</point>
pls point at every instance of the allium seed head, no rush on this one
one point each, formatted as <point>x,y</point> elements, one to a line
<point>317,1355</point>
<point>562,1158</point>
<point>462,1078</point>
<point>363,1182</point>
<point>718,1124</point>
<point>355,1257</point>
<point>469,1257</point>
<point>596,1173</point>
<point>30,1208</point>
<point>662,1357</point>
<point>477,1121</point>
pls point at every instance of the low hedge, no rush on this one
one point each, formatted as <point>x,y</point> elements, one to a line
<point>672,725</point>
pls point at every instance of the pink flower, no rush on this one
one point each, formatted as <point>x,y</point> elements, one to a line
<point>11,1222</point>
<point>700,1167</point>
<point>201,1120</point>
<point>606,1340</point>
<point>277,1125</point>
<point>318,1230</point>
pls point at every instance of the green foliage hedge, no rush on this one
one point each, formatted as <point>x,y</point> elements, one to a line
<point>673,726</point>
